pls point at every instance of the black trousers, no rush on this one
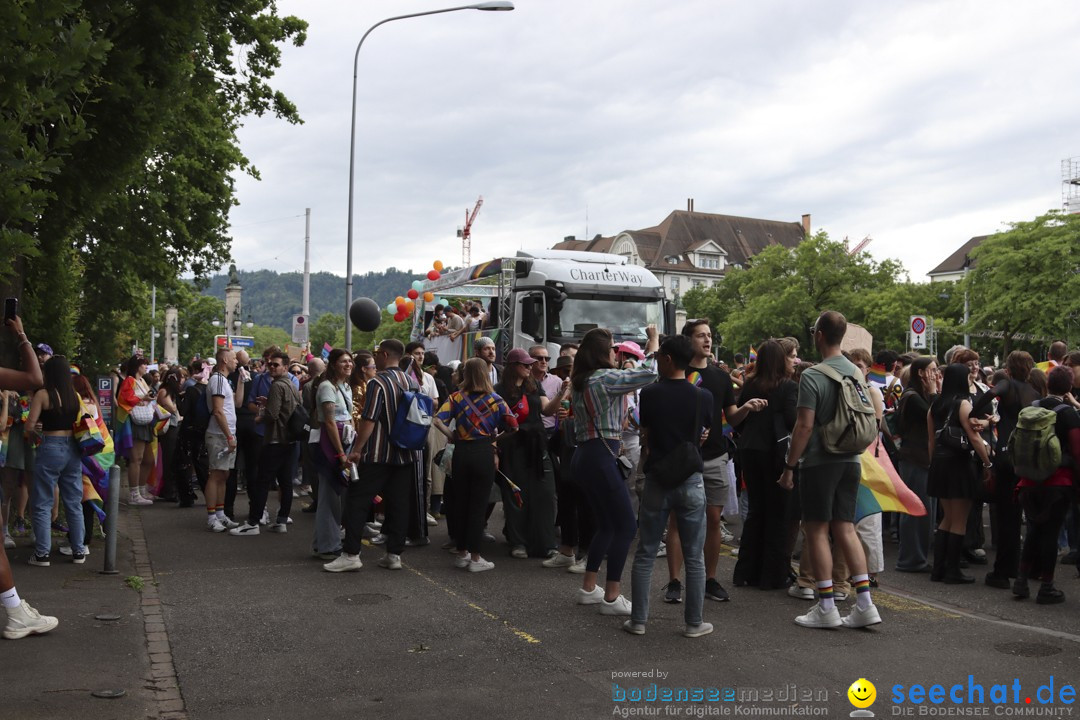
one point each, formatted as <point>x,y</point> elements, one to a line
<point>392,483</point>
<point>762,558</point>
<point>1006,512</point>
<point>1045,509</point>
<point>277,463</point>
<point>473,471</point>
<point>169,466</point>
<point>192,457</point>
<point>575,516</point>
<point>248,443</point>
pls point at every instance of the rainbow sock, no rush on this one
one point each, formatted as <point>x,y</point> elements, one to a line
<point>825,595</point>
<point>861,584</point>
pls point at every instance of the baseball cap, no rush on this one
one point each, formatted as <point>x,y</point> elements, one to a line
<point>43,348</point>
<point>517,355</point>
<point>630,348</point>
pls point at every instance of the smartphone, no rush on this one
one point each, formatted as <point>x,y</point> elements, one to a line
<point>11,308</point>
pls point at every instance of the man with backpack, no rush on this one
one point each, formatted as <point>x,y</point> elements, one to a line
<point>385,468</point>
<point>836,422</point>
<point>195,412</point>
<point>1044,449</point>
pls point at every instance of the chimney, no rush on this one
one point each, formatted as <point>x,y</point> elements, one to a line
<point>806,224</point>
<point>689,204</point>
<point>571,237</point>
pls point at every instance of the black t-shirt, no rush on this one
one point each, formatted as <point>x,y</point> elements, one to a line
<point>759,430</point>
<point>719,384</point>
<point>667,412</point>
<point>915,444</point>
<point>1011,400</point>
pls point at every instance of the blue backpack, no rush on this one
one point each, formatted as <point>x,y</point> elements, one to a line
<point>413,420</point>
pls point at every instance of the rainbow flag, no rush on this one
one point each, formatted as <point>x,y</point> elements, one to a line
<point>881,489</point>
<point>753,355</point>
<point>877,374</point>
<point>694,377</point>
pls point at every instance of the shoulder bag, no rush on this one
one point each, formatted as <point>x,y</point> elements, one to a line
<point>682,461</point>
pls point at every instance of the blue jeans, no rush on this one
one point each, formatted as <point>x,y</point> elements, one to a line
<point>58,462</point>
<point>687,501</point>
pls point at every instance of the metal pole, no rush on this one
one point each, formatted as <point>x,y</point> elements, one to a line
<point>352,141</point>
<point>111,513</point>
<point>307,263</point>
<point>153,312</point>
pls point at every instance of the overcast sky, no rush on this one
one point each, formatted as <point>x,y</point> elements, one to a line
<point>920,124</point>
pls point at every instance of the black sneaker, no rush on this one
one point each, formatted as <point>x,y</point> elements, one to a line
<point>996,581</point>
<point>40,560</point>
<point>78,558</point>
<point>1049,595</point>
<point>714,591</point>
<point>673,592</point>
<point>1020,589</point>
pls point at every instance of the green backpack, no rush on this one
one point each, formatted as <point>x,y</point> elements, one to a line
<point>1034,448</point>
<point>854,425</point>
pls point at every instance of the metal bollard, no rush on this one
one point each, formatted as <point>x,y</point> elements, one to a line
<point>111,512</point>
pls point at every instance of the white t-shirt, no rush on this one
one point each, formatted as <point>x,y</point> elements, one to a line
<point>219,387</point>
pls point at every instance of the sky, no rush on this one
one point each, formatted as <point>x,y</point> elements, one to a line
<point>918,124</point>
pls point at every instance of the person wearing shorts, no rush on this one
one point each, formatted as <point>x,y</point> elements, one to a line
<point>221,438</point>
<point>828,485</point>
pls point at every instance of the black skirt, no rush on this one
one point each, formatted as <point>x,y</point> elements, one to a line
<point>953,476</point>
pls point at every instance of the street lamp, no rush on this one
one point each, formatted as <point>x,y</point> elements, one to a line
<point>496,5</point>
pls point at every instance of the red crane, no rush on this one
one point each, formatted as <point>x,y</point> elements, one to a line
<point>861,246</point>
<point>466,232</point>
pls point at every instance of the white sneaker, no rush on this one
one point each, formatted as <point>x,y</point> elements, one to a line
<point>462,561</point>
<point>481,565</point>
<point>9,542</point>
<point>818,618</point>
<point>228,522</point>
<point>136,498</point>
<point>693,631</point>
<point>431,521</point>
<point>618,606</point>
<point>288,521</point>
<point>661,551</point>
<point>343,563</point>
<point>578,568</point>
<point>839,596</point>
<point>244,530</point>
<point>634,628</point>
<point>726,535</point>
<point>65,549</point>
<point>590,597</point>
<point>519,552</point>
<point>279,528</point>
<point>858,618</point>
<point>558,560</point>
<point>265,518</point>
<point>379,539</point>
<point>25,620</point>
<point>215,526</point>
<point>390,561</point>
<point>801,593</point>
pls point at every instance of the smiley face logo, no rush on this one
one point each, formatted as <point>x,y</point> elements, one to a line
<point>862,693</point>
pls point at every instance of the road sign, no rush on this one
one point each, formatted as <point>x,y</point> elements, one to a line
<point>234,341</point>
<point>917,336</point>
<point>300,329</point>
<point>105,397</point>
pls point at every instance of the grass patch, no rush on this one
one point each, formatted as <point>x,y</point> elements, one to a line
<point>135,582</point>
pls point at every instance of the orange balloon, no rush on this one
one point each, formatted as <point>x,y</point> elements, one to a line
<point>429,297</point>
<point>410,306</point>
<point>438,265</point>
<point>399,300</point>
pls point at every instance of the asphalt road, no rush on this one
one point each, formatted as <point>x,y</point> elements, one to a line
<point>258,630</point>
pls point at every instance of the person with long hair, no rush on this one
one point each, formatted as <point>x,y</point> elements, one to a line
<point>53,411</point>
<point>168,399</point>
<point>762,448</point>
<point>135,391</point>
<point>477,413</point>
<point>89,399</point>
<point>985,410</point>
<point>953,479</point>
<point>333,410</point>
<point>599,404</point>
<point>912,411</point>
<point>364,370</point>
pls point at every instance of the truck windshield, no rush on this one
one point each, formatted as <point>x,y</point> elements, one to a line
<point>623,316</point>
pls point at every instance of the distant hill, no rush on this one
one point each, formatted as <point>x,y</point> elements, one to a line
<point>273,298</point>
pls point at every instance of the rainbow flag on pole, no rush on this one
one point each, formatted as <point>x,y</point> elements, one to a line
<point>881,489</point>
<point>877,374</point>
<point>753,355</point>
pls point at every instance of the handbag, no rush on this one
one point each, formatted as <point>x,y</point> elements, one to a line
<point>625,467</point>
<point>953,436</point>
<point>143,413</point>
<point>681,462</point>
<point>87,433</point>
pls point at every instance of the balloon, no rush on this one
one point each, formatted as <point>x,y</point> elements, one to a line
<point>429,297</point>
<point>400,307</point>
<point>365,314</point>
<point>391,308</point>
<point>413,294</point>
<point>433,275</point>
<point>399,317</point>
<point>444,302</point>
<point>410,306</point>
<point>438,265</point>
<point>417,285</point>
<point>398,300</point>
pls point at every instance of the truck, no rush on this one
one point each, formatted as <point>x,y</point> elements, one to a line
<point>553,297</point>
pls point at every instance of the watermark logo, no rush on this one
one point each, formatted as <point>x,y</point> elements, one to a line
<point>862,695</point>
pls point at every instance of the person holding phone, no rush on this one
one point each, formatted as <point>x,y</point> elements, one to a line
<point>22,619</point>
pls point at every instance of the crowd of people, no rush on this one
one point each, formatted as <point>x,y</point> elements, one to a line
<point>606,443</point>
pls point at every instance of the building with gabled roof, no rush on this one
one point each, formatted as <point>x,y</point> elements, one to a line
<point>695,249</point>
<point>956,265</point>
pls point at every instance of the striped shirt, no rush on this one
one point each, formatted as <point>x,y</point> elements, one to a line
<point>380,406</point>
<point>600,411</point>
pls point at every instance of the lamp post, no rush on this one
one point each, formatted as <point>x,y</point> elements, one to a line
<point>496,5</point>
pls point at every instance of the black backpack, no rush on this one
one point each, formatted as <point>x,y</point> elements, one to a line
<point>195,410</point>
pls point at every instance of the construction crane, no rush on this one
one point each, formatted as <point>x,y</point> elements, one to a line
<point>465,233</point>
<point>860,247</point>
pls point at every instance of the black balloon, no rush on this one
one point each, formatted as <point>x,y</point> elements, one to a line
<point>365,314</point>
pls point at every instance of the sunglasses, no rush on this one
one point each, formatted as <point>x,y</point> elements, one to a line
<point>540,358</point>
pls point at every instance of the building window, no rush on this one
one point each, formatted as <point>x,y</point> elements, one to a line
<point>699,283</point>
<point>672,259</point>
<point>674,284</point>
<point>710,261</point>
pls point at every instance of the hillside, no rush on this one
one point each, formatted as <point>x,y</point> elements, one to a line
<point>273,298</point>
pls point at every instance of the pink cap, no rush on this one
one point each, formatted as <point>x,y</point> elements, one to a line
<point>630,348</point>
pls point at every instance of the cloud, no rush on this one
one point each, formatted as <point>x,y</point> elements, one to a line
<point>920,124</point>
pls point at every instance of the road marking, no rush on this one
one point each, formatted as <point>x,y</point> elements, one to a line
<point>521,634</point>
<point>910,602</point>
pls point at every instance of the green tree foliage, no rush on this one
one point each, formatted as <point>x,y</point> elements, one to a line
<point>118,148</point>
<point>783,290</point>
<point>1026,281</point>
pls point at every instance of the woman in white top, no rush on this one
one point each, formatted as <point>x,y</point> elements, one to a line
<point>333,414</point>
